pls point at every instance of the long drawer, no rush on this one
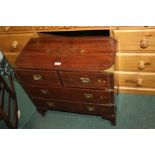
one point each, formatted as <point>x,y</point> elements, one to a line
<point>141,40</point>
<point>135,62</point>
<point>87,80</point>
<point>70,94</point>
<point>135,79</point>
<point>14,42</point>
<point>87,108</point>
<point>38,77</point>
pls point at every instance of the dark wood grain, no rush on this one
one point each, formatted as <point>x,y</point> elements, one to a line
<point>75,106</point>
<point>73,74</point>
<point>47,77</point>
<point>95,80</point>
<point>90,96</point>
<point>76,62</point>
<point>70,94</point>
<point>72,45</point>
<point>73,53</point>
<point>45,91</point>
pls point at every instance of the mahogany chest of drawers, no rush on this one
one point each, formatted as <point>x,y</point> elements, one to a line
<point>69,74</point>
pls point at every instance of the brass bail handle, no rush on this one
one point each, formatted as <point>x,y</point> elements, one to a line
<point>37,77</point>
<point>44,91</point>
<point>85,80</point>
<point>88,96</point>
<point>91,108</point>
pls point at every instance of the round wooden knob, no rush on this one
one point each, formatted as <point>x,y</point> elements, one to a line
<point>139,83</point>
<point>144,43</point>
<point>14,44</point>
<point>141,65</point>
<point>6,28</point>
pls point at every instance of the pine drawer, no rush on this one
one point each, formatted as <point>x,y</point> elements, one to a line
<point>135,62</point>
<point>139,40</point>
<point>135,79</point>
<point>14,42</point>
<point>15,29</point>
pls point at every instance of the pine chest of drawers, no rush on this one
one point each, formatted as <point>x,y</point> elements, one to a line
<point>69,74</point>
<point>135,67</point>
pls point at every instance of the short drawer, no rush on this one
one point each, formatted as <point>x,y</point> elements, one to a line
<point>92,96</point>
<point>87,108</point>
<point>45,92</point>
<point>133,79</point>
<point>14,42</point>
<point>135,39</point>
<point>38,77</point>
<point>135,62</point>
<point>87,79</point>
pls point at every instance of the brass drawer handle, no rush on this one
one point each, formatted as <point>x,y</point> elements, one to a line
<point>103,97</point>
<point>43,91</point>
<point>144,43</point>
<point>88,96</point>
<point>37,77</point>
<point>91,108</point>
<point>101,81</point>
<point>51,104</point>
<point>14,44</point>
<point>85,80</point>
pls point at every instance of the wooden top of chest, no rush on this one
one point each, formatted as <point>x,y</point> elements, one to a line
<point>68,53</point>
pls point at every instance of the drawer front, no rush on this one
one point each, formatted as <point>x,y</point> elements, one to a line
<point>37,77</point>
<point>133,79</point>
<point>45,92</point>
<point>8,29</point>
<point>87,80</point>
<point>14,42</point>
<point>87,108</point>
<point>135,62</point>
<point>143,40</point>
<point>92,96</point>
